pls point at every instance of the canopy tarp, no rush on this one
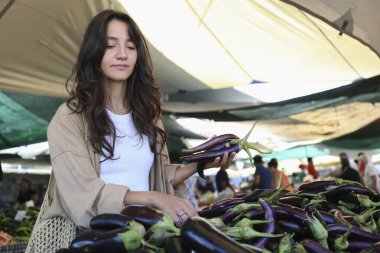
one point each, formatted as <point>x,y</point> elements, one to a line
<point>24,120</point>
<point>208,56</point>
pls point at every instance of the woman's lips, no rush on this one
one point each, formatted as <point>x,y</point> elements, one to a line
<point>120,66</point>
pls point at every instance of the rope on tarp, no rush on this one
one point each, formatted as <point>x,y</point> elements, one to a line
<point>6,8</point>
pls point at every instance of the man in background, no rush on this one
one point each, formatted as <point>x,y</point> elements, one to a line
<point>262,179</point>
<point>347,172</point>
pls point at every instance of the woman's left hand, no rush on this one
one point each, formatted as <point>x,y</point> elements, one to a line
<point>225,161</point>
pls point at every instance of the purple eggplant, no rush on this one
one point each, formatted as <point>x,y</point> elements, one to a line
<point>285,212</point>
<point>343,193</point>
<point>359,245</point>
<point>317,186</point>
<point>294,201</point>
<point>290,226</point>
<point>240,195</point>
<point>120,240</point>
<point>199,235</point>
<point>208,156</point>
<point>236,210</point>
<point>221,202</point>
<point>356,234</point>
<point>86,238</point>
<point>327,218</point>
<point>268,227</point>
<point>109,221</point>
<point>314,247</point>
<point>175,245</point>
<point>324,205</point>
<point>223,145</point>
<point>142,214</point>
<point>210,144</point>
<point>218,210</point>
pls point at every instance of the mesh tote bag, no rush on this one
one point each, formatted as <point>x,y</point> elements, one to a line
<point>51,234</point>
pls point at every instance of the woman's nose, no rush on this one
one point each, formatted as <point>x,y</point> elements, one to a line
<point>122,53</point>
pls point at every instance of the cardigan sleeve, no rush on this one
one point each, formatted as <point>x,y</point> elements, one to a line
<point>79,189</point>
<point>169,170</point>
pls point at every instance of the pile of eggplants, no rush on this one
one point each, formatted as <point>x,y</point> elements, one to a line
<point>323,216</point>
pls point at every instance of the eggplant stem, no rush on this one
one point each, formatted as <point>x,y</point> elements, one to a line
<point>276,193</point>
<point>247,233</point>
<point>249,155</point>
<point>253,146</point>
<point>341,242</point>
<point>131,239</point>
<point>249,133</point>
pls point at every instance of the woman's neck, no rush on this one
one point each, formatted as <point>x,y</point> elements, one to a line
<point>115,98</point>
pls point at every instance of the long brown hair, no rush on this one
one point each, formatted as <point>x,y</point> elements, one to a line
<point>88,95</point>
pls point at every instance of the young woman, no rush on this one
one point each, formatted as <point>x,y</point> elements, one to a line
<point>107,142</point>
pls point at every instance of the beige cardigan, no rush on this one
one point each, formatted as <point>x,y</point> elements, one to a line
<point>79,193</point>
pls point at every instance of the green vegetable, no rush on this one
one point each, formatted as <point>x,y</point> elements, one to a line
<point>318,230</point>
<point>247,233</point>
<point>298,248</point>
<point>247,222</point>
<point>217,222</point>
<point>286,244</point>
<point>341,243</point>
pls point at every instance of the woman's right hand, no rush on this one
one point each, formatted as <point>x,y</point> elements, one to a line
<point>178,209</point>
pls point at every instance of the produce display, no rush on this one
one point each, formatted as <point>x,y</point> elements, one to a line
<point>18,226</point>
<point>323,216</point>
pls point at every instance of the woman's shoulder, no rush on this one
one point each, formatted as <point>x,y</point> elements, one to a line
<point>67,112</point>
<point>66,116</point>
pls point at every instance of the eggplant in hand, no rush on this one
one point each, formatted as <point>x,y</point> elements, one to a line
<point>217,146</point>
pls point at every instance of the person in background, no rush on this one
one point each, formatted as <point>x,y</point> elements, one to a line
<point>311,169</point>
<point>204,185</point>
<point>26,192</point>
<point>223,185</point>
<point>302,174</point>
<point>361,165</point>
<point>347,172</point>
<point>262,179</point>
<point>370,175</point>
<point>276,174</point>
<point>222,180</point>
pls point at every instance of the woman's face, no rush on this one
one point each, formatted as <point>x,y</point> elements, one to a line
<point>120,55</point>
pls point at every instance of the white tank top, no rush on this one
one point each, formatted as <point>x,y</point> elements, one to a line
<point>134,156</point>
